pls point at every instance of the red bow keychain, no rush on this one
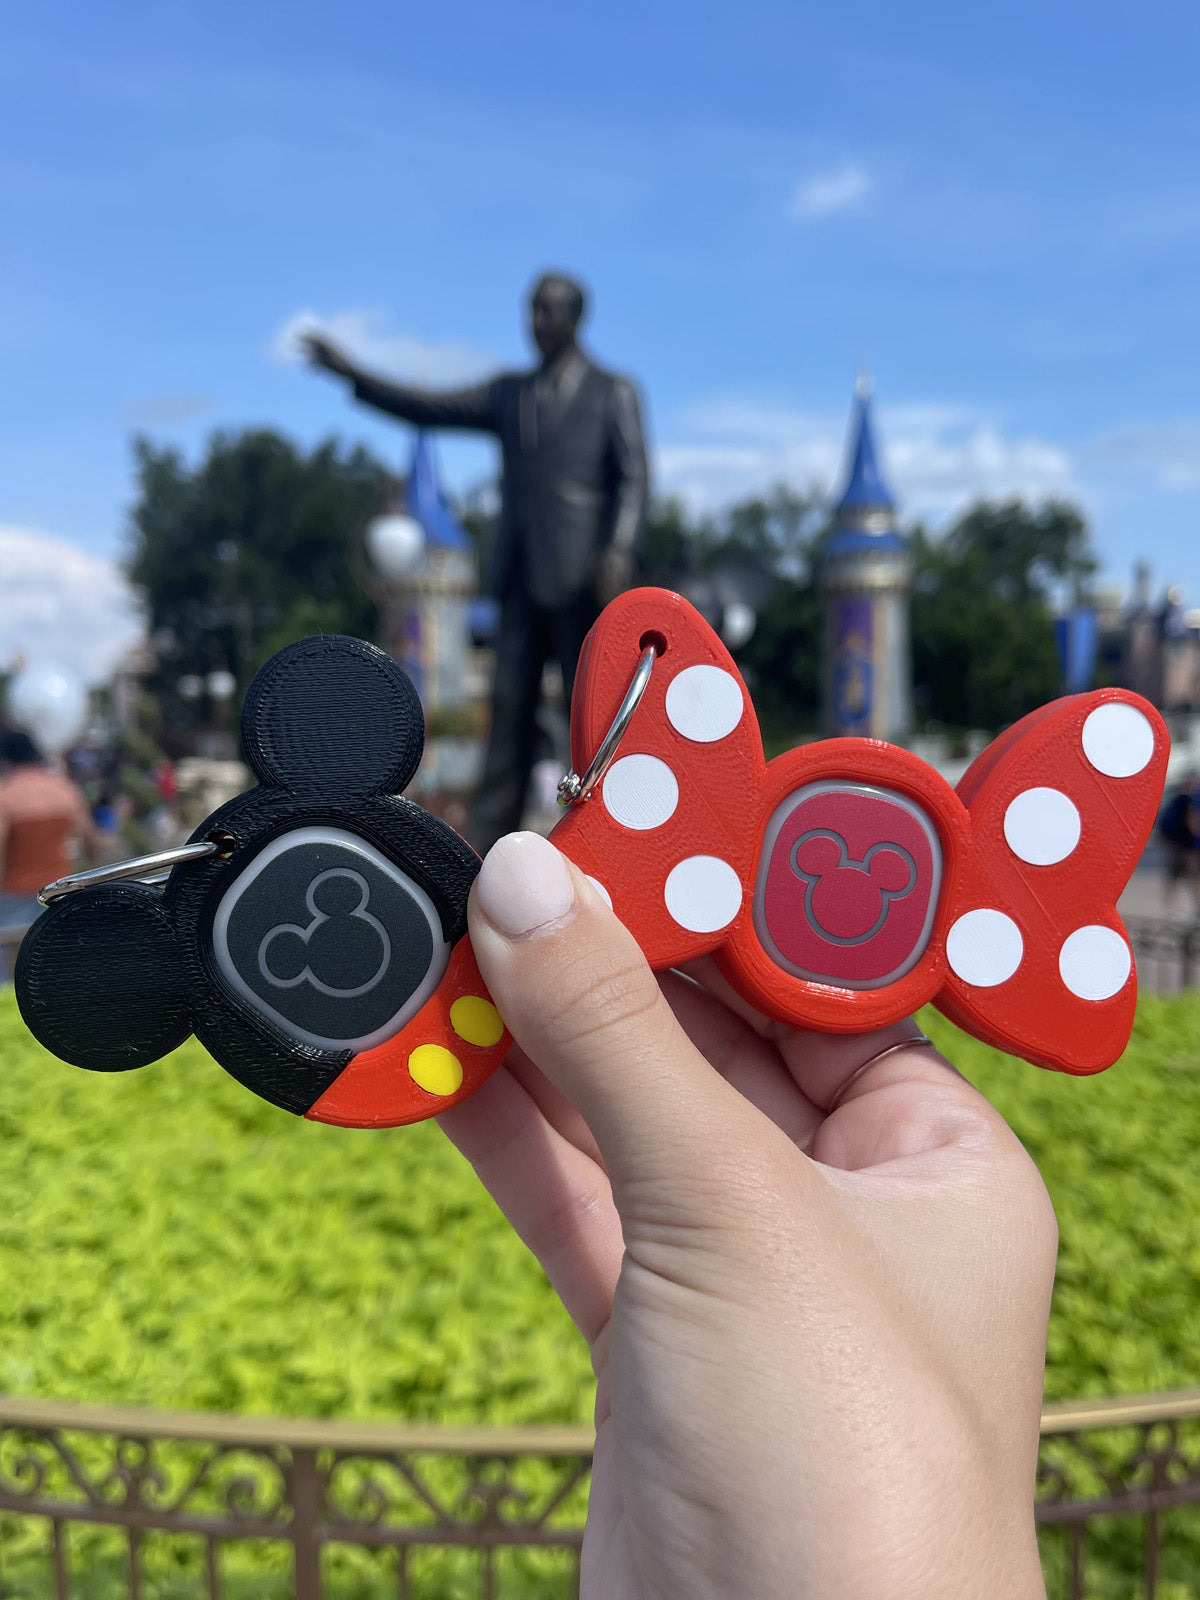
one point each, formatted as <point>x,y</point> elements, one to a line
<point>844,884</point>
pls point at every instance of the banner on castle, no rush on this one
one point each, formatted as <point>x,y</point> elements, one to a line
<point>853,667</point>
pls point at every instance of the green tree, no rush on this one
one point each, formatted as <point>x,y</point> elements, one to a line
<point>247,551</point>
<point>983,603</point>
<point>670,544</point>
<point>759,549</point>
<point>983,606</point>
<point>781,660</point>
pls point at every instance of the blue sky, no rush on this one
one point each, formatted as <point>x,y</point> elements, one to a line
<point>997,210</point>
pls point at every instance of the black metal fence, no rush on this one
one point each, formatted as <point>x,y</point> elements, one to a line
<point>1167,953</point>
<point>106,1502</point>
<point>123,1504</point>
<point>1118,1505</point>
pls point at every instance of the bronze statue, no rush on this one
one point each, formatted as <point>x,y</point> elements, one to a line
<point>573,499</point>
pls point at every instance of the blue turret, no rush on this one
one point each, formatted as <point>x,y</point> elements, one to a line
<point>866,508</point>
<point>865,575</point>
<point>427,503</point>
<point>866,488</point>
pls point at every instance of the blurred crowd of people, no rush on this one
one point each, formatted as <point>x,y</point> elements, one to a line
<point>47,827</point>
<point>1179,833</point>
<point>134,802</point>
<point>64,814</point>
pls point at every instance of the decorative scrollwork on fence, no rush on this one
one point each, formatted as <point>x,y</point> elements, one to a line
<point>135,1478</point>
<point>389,1498</point>
<point>1118,1494</point>
<point>468,1499</point>
<point>142,1481</point>
<point>1149,1466</point>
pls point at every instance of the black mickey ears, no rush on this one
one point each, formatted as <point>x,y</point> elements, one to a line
<point>333,716</point>
<point>101,975</point>
<point>321,929</point>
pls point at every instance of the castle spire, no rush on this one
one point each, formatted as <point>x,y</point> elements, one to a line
<point>426,500</point>
<point>866,489</point>
<point>865,575</point>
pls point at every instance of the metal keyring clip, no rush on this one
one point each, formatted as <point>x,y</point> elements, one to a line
<point>149,869</point>
<point>572,788</point>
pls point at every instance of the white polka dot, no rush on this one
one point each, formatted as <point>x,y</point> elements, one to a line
<point>984,948</point>
<point>1042,826</point>
<point>1118,740</point>
<point>1095,963</point>
<point>704,703</point>
<point>703,894</point>
<point>640,791</point>
<point>600,889</point>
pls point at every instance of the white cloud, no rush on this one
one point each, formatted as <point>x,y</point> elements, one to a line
<point>60,604</point>
<point>830,194</point>
<point>367,337</point>
<point>167,410</point>
<point>1169,452</point>
<point>937,457</point>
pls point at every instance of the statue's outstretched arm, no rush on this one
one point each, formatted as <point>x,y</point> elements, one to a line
<point>474,407</point>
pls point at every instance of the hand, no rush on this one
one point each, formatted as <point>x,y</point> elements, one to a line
<point>319,352</point>
<point>816,1302</point>
<point>614,573</point>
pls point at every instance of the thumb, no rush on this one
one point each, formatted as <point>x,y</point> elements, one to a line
<point>577,995</point>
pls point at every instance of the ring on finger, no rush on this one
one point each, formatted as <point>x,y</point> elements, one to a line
<point>848,1083</point>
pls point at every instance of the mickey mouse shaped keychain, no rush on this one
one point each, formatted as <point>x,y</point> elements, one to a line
<point>312,934</point>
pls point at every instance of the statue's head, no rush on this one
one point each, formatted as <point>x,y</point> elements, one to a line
<point>556,308</point>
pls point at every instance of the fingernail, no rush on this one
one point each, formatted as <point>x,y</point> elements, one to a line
<point>523,885</point>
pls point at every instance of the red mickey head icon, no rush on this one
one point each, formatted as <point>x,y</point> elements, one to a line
<point>848,884</point>
<point>848,901</point>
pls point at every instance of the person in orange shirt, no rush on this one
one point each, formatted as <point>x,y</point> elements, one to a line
<point>44,824</point>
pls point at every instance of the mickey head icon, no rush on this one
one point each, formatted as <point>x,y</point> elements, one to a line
<point>338,899</point>
<point>323,928</point>
<point>848,883</point>
<point>846,901</point>
<point>326,937</point>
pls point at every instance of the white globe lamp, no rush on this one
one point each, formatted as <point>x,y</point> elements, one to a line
<point>395,544</point>
<point>50,704</point>
<point>221,684</point>
<point>738,624</point>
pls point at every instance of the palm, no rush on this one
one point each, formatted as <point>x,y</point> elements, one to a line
<point>887,1154</point>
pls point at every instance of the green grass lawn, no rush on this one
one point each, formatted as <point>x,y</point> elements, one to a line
<point>168,1239</point>
<point>1120,1153</point>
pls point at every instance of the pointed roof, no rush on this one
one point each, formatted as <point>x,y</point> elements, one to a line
<point>427,503</point>
<point>866,488</point>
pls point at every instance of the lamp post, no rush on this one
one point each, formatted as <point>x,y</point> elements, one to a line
<point>396,549</point>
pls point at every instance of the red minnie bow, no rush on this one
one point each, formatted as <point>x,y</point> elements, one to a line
<point>845,884</point>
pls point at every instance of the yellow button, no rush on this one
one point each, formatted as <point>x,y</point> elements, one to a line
<point>435,1069</point>
<point>476,1020</point>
